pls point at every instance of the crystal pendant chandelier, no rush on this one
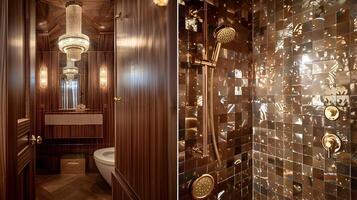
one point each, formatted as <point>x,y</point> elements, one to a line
<point>70,71</point>
<point>73,43</point>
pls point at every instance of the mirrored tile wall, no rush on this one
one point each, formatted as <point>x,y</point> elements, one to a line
<point>233,81</point>
<point>304,58</point>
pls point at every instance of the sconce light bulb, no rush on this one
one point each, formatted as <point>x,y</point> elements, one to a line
<point>161,2</point>
<point>103,79</point>
<point>43,77</point>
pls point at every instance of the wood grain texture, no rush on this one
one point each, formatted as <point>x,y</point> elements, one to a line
<point>172,35</point>
<point>143,117</point>
<point>73,118</point>
<point>19,71</point>
<point>72,186</point>
<point>30,99</point>
<point>15,66</point>
<point>98,100</point>
<point>73,131</point>
<point>3,96</point>
<point>24,155</point>
<point>121,188</point>
<point>97,23</point>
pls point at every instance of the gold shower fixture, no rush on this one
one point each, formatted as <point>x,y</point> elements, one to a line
<point>331,143</point>
<point>223,34</point>
<point>203,186</point>
<point>332,113</point>
<point>73,43</point>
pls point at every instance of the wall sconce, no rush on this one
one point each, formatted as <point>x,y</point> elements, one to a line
<point>43,77</point>
<point>103,80</point>
<point>161,2</point>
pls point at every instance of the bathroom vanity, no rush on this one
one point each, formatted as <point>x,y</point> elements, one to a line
<point>73,125</point>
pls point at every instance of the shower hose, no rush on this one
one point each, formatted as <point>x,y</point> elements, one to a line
<point>211,120</point>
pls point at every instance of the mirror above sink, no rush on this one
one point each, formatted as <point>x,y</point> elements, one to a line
<point>73,82</point>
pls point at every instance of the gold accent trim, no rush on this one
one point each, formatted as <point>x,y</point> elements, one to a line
<point>203,186</point>
<point>332,113</point>
<point>331,143</point>
<point>36,140</point>
<point>117,99</point>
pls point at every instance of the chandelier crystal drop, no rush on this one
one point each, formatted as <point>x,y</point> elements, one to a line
<point>70,71</point>
<point>73,43</point>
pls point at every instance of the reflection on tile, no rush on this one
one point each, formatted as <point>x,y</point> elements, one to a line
<point>270,91</point>
<point>304,60</point>
<point>233,83</point>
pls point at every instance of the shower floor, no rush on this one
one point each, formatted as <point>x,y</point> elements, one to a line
<point>72,187</point>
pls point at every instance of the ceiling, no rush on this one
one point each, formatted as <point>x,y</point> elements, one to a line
<point>97,23</point>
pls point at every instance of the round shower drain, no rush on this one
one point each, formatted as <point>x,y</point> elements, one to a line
<point>202,186</point>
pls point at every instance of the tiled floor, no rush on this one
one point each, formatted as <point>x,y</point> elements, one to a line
<point>72,187</point>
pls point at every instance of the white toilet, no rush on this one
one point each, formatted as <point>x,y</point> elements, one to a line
<point>104,159</point>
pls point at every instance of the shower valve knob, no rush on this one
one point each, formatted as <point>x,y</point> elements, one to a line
<point>331,143</point>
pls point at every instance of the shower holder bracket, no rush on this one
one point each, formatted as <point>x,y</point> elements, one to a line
<point>205,62</point>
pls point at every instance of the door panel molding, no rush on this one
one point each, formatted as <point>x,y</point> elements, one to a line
<point>121,187</point>
<point>23,147</point>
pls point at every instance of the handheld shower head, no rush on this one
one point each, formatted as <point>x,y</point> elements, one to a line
<point>223,34</point>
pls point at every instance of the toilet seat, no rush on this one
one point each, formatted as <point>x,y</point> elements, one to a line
<point>105,156</point>
<point>105,161</point>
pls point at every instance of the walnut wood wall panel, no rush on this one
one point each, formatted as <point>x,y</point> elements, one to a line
<point>145,118</point>
<point>3,97</point>
<point>73,131</point>
<point>172,37</point>
<point>98,99</point>
<point>121,188</point>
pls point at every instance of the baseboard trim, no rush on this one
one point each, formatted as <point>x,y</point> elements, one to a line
<point>124,185</point>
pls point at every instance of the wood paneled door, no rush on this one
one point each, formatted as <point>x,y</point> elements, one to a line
<point>17,71</point>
